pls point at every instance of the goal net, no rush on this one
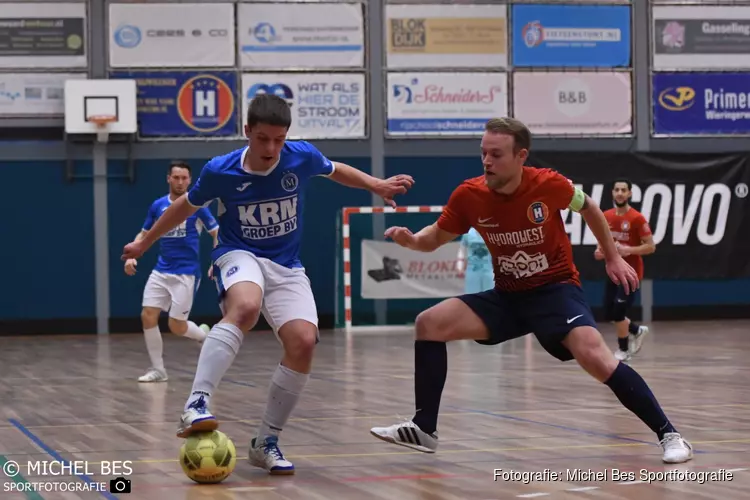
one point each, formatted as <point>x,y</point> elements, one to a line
<point>380,283</point>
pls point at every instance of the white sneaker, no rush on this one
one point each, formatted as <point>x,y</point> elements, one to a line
<point>676,449</point>
<point>621,355</point>
<point>197,418</point>
<point>409,435</point>
<point>153,375</point>
<point>636,341</point>
<point>267,455</point>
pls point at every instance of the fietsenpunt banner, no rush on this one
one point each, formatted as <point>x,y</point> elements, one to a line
<point>701,103</point>
<point>302,35</point>
<point>701,37</point>
<point>34,94</point>
<point>444,103</point>
<point>176,35</point>
<point>571,35</point>
<point>446,36</point>
<point>49,35</point>
<point>559,103</point>
<point>697,206</point>
<point>324,105</point>
<point>390,271</point>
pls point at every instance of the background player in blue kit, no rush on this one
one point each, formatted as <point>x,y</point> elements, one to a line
<point>480,275</point>
<point>172,284</point>
<point>261,191</point>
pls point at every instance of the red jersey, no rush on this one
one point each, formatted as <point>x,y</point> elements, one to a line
<point>524,231</point>
<point>630,229</point>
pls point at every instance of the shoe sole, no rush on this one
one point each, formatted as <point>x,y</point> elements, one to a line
<point>279,472</point>
<point>208,425</point>
<point>407,445</point>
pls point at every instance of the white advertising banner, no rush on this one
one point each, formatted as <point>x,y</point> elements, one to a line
<point>171,35</point>
<point>701,37</point>
<point>444,103</point>
<point>574,103</point>
<point>446,36</point>
<point>390,271</point>
<point>34,94</point>
<point>303,35</point>
<point>43,35</point>
<point>324,105</point>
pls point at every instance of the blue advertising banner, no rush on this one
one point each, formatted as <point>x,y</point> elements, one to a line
<point>701,103</point>
<point>185,103</point>
<point>571,35</point>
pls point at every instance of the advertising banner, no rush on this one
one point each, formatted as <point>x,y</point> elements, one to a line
<point>571,35</point>
<point>701,103</point>
<point>185,104</point>
<point>390,271</point>
<point>302,35</point>
<point>574,103</point>
<point>324,105</point>
<point>697,207</point>
<point>171,35</point>
<point>34,94</point>
<point>701,37</point>
<point>49,35</point>
<point>444,103</point>
<point>446,36</point>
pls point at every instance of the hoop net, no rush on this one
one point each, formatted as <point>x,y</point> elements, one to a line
<point>102,126</point>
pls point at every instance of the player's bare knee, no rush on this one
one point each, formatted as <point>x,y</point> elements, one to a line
<point>300,343</point>
<point>244,313</point>
<point>428,326</point>
<point>588,347</point>
<point>149,317</point>
<point>178,326</point>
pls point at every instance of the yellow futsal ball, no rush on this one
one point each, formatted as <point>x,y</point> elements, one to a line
<point>208,457</point>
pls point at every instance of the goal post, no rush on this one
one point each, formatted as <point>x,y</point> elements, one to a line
<point>370,270</point>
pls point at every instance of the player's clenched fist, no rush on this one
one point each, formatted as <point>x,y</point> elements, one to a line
<point>130,265</point>
<point>400,235</point>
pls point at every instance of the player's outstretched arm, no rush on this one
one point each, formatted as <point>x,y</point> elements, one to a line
<point>176,214</point>
<point>385,188</point>
<point>428,239</point>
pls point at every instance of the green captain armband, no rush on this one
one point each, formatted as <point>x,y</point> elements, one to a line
<point>578,201</point>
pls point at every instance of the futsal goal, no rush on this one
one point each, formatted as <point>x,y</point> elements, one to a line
<point>379,283</point>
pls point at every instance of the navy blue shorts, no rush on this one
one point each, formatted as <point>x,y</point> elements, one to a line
<point>550,312</point>
<point>616,301</point>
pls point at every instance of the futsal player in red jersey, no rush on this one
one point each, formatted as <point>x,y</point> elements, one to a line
<point>537,290</point>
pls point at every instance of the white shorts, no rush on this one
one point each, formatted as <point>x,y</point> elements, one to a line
<point>287,294</point>
<point>170,292</point>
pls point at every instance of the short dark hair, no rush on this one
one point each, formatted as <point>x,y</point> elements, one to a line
<point>510,126</point>
<point>624,181</point>
<point>269,109</point>
<point>178,164</point>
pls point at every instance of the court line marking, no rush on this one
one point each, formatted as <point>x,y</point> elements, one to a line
<point>33,437</point>
<point>19,479</point>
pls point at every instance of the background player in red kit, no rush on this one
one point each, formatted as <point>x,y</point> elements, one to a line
<point>633,239</point>
<point>516,209</point>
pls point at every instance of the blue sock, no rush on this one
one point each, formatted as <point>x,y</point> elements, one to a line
<point>634,394</point>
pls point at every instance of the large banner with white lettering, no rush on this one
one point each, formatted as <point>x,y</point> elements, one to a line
<point>176,35</point>
<point>390,271</point>
<point>697,207</point>
<point>701,37</point>
<point>567,103</point>
<point>324,105</point>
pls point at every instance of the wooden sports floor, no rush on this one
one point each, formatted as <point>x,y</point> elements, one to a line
<point>511,407</point>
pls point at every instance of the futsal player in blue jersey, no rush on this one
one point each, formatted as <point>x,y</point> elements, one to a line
<point>172,284</point>
<point>261,192</point>
<point>479,275</point>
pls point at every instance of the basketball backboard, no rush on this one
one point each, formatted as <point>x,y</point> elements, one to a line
<point>100,107</point>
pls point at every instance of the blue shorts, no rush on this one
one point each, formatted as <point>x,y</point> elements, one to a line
<point>616,302</point>
<point>550,312</point>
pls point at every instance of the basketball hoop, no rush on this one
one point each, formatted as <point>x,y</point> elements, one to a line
<point>102,124</point>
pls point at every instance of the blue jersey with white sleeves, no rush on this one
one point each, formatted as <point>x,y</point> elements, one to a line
<point>261,212</point>
<point>179,249</point>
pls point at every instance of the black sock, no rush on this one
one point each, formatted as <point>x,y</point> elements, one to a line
<point>635,395</point>
<point>430,370</point>
<point>623,343</point>
<point>633,328</point>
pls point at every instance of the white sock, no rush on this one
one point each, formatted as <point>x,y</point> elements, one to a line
<point>286,386</point>
<point>217,354</point>
<point>194,332</point>
<point>155,347</point>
